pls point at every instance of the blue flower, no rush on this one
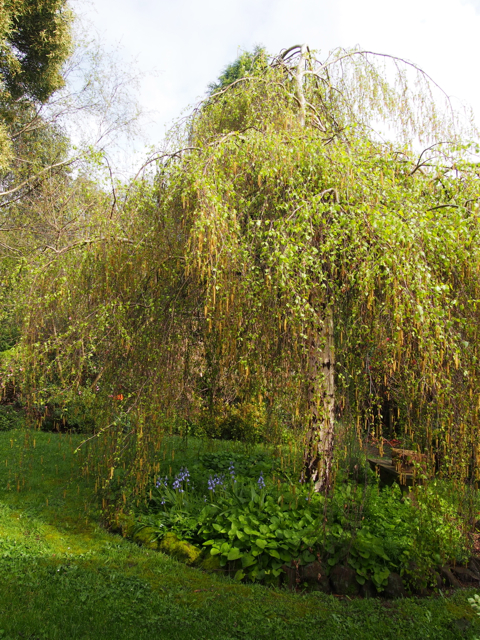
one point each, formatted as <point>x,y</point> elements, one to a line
<point>261,482</point>
<point>180,478</point>
<point>215,481</point>
<point>161,482</point>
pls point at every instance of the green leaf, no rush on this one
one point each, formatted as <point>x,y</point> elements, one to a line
<point>248,560</point>
<point>261,542</point>
<point>307,556</point>
<point>234,554</point>
<point>225,548</point>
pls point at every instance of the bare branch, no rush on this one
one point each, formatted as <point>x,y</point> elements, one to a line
<point>36,177</point>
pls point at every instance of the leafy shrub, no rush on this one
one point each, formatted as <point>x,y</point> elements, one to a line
<point>259,532</point>
<point>475,603</point>
<point>61,410</point>
<point>384,532</point>
<point>64,418</point>
<point>230,506</point>
<point>245,465</point>
<point>243,422</point>
<point>10,418</point>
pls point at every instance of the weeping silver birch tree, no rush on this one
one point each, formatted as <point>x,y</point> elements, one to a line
<point>333,108</point>
<point>290,254</point>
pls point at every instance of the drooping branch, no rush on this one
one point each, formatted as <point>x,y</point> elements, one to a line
<point>300,73</point>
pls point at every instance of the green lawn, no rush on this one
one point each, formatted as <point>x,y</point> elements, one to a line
<point>64,577</point>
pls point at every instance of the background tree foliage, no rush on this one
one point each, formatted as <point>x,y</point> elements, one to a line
<point>59,113</point>
<point>284,228</point>
<point>247,63</point>
<point>35,41</point>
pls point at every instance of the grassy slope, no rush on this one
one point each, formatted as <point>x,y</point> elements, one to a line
<point>64,577</point>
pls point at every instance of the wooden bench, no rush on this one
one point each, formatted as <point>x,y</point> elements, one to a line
<point>390,473</point>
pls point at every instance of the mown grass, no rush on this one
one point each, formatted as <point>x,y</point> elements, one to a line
<point>64,577</point>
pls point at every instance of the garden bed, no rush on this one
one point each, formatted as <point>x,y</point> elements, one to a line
<point>248,516</point>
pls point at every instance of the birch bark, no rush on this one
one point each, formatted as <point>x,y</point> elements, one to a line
<point>318,454</point>
<point>319,442</point>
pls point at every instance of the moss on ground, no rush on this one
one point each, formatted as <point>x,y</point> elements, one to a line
<point>179,549</point>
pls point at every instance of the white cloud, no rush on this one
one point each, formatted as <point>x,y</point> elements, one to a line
<point>190,42</point>
<point>439,35</point>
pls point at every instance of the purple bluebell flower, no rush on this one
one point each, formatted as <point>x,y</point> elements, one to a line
<point>231,470</point>
<point>180,478</point>
<point>215,481</point>
<point>161,482</point>
<point>261,481</point>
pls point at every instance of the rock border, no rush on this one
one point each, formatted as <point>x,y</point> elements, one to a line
<point>340,580</point>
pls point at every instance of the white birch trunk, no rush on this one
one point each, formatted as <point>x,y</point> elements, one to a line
<point>318,455</point>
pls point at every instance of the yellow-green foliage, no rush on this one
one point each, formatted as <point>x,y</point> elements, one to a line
<point>223,266</point>
<point>246,422</point>
<point>5,148</point>
<point>125,523</point>
<point>169,544</point>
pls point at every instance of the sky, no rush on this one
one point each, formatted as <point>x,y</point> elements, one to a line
<point>183,45</point>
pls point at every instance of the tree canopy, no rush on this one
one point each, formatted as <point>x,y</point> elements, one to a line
<point>35,41</point>
<point>287,256</point>
<point>247,63</point>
